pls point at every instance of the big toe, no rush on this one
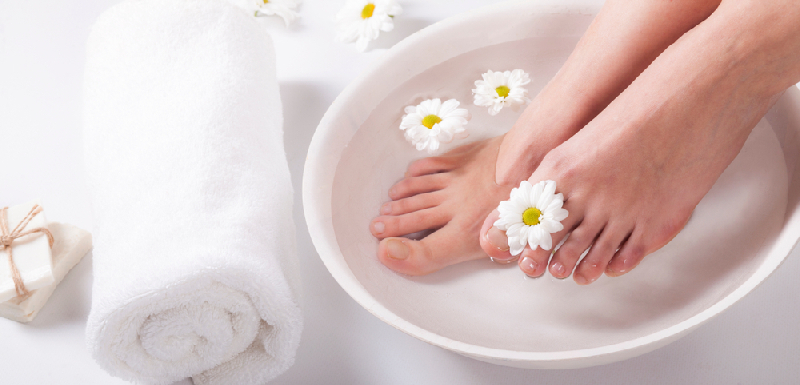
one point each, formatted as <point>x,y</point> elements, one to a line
<point>494,241</point>
<point>444,247</point>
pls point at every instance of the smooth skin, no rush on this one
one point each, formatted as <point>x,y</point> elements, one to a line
<point>654,103</point>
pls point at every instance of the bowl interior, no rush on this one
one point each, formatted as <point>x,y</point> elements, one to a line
<point>738,234</point>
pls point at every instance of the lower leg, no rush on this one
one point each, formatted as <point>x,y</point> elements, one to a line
<point>625,37</point>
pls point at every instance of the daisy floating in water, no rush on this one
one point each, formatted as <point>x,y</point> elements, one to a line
<point>433,122</point>
<point>531,214</point>
<point>501,89</point>
<point>283,8</point>
<point>361,21</point>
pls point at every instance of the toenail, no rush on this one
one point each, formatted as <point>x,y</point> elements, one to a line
<point>513,259</point>
<point>392,191</point>
<point>497,238</point>
<point>558,269</point>
<point>379,227</point>
<point>528,266</point>
<point>386,208</point>
<point>397,249</point>
<point>580,279</point>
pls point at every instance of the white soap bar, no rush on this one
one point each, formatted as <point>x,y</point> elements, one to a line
<point>71,245</point>
<point>31,254</point>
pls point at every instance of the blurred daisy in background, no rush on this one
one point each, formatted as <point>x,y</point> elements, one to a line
<point>361,21</point>
<point>283,8</point>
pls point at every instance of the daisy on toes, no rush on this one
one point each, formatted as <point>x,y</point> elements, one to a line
<point>531,214</point>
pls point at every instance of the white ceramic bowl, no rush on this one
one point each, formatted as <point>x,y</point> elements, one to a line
<point>739,234</point>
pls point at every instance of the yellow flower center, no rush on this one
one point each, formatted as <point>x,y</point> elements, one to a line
<point>366,13</point>
<point>266,1</point>
<point>531,216</point>
<point>503,91</point>
<point>430,120</point>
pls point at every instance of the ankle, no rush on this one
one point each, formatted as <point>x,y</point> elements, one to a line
<point>761,40</point>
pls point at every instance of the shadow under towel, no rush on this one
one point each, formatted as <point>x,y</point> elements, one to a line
<point>194,261</point>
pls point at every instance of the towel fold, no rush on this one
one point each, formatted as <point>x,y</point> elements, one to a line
<point>194,260</point>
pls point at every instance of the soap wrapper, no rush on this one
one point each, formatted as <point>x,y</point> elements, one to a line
<point>31,253</point>
<point>71,244</point>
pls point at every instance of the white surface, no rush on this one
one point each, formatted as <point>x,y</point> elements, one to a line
<point>41,62</point>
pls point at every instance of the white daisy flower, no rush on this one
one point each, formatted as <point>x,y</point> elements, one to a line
<point>531,214</point>
<point>433,122</point>
<point>283,8</point>
<point>500,89</point>
<point>361,21</point>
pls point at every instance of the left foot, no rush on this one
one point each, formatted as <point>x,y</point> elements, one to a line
<point>450,194</point>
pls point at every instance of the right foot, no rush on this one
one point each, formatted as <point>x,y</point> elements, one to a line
<point>633,176</point>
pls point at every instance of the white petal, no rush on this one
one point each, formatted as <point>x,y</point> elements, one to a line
<point>434,106</point>
<point>546,241</point>
<point>551,226</point>
<point>523,232</point>
<point>524,192</point>
<point>448,107</point>
<point>555,204</point>
<point>560,215</point>
<point>495,108</point>
<point>547,194</point>
<point>534,237</point>
<point>515,248</point>
<point>535,194</point>
<point>515,228</point>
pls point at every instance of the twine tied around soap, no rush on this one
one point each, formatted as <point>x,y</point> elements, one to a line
<point>8,237</point>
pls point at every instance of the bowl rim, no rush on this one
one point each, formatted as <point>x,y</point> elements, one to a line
<point>317,213</point>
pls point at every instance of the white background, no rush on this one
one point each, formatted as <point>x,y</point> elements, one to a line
<point>41,63</point>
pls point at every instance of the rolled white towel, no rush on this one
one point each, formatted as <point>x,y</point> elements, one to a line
<point>194,260</point>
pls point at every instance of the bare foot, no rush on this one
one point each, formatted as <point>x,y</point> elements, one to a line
<point>454,193</point>
<point>632,177</point>
<point>449,193</point>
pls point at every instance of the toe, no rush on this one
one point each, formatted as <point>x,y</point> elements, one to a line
<point>603,249</point>
<point>399,225</point>
<point>629,255</point>
<point>494,241</point>
<point>567,256</point>
<point>417,185</point>
<point>412,204</point>
<point>534,262</point>
<point>444,247</point>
